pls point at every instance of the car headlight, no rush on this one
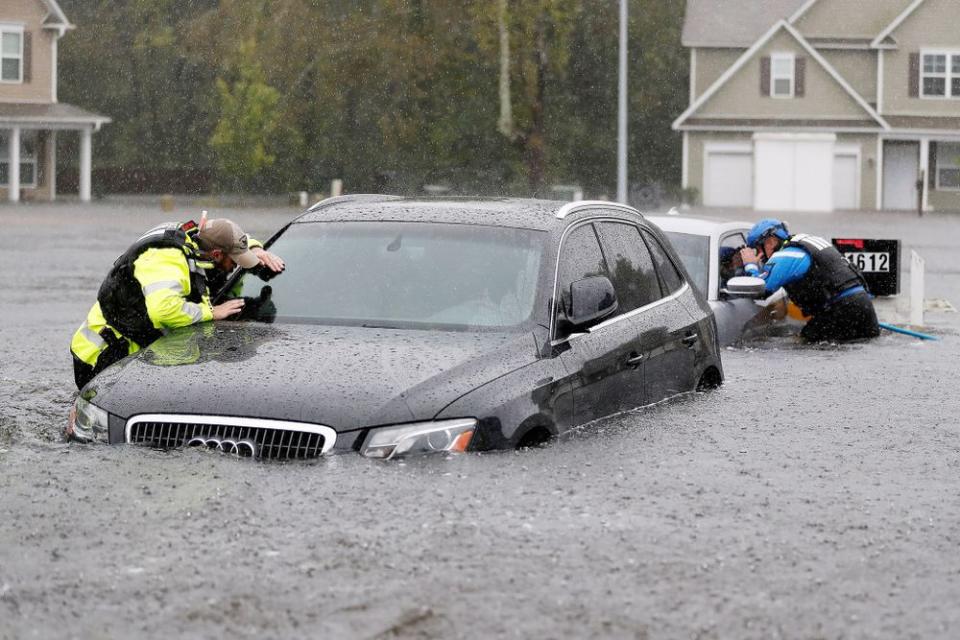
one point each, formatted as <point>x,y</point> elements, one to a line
<point>419,438</point>
<point>88,422</point>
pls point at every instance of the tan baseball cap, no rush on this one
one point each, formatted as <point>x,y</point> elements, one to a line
<point>227,236</point>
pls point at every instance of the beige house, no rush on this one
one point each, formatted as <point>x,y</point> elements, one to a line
<point>30,115</point>
<point>823,105</point>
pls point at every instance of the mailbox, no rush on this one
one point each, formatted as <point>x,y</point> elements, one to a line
<point>879,260</point>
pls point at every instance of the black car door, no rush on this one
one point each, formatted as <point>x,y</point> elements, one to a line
<point>670,334</point>
<point>604,361</point>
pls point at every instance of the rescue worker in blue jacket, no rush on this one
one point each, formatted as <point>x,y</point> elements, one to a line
<point>816,277</point>
<point>161,283</point>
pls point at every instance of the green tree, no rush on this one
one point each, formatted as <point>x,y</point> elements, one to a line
<point>487,96</point>
<point>532,49</point>
<point>132,60</point>
<point>249,119</point>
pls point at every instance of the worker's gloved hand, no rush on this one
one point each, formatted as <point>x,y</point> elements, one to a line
<point>259,308</point>
<point>264,273</point>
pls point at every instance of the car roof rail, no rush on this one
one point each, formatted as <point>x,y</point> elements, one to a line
<point>572,207</point>
<point>352,197</point>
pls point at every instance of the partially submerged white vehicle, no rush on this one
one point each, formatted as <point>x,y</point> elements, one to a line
<point>699,243</point>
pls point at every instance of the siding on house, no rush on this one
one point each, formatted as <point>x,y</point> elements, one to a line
<point>858,68</point>
<point>932,25</point>
<point>30,14</point>
<point>944,200</point>
<point>711,64</point>
<point>740,96</point>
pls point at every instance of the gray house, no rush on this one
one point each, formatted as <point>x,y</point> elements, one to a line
<point>823,105</point>
<point>30,115</point>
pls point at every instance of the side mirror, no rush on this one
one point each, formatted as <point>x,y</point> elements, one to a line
<point>745,287</point>
<point>591,299</point>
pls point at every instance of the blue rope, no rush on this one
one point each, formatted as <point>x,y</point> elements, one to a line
<point>907,332</point>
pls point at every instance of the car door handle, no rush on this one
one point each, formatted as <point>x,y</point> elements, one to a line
<point>690,339</point>
<point>635,359</point>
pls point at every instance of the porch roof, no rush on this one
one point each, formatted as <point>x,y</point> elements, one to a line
<point>781,123</point>
<point>925,123</point>
<point>58,114</point>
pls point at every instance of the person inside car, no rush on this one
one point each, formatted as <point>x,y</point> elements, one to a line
<point>817,278</point>
<point>731,265</point>
<point>161,282</point>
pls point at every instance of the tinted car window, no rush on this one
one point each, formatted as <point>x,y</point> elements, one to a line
<point>404,274</point>
<point>580,257</point>
<point>672,280</point>
<point>728,259</point>
<point>734,241</point>
<point>630,265</point>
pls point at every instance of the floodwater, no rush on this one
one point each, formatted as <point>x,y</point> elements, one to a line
<point>814,495</point>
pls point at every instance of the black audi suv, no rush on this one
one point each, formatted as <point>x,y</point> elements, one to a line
<point>409,326</point>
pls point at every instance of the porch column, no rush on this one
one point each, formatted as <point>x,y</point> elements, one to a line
<point>13,170</point>
<point>52,163</point>
<point>925,172</point>
<point>86,154</point>
<point>879,167</point>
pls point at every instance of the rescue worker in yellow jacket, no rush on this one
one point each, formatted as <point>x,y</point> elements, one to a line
<point>160,283</point>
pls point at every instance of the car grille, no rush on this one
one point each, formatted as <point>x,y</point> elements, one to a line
<point>248,437</point>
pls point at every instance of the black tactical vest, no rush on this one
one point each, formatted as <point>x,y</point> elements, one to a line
<point>121,296</point>
<point>830,274</point>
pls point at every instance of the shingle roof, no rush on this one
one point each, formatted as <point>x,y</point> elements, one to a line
<point>732,23</point>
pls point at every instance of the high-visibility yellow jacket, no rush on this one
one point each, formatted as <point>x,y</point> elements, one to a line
<point>164,278</point>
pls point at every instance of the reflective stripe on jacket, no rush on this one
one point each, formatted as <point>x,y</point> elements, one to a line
<point>88,343</point>
<point>164,276</point>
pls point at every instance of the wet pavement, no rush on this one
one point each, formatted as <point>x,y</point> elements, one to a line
<point>814,495</point>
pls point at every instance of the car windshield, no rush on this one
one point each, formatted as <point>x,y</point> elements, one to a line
<point>694,250</point>
<point>403,275</point>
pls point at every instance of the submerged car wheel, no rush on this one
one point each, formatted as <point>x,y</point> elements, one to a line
<point>709,380</point>
<point>536,437</point>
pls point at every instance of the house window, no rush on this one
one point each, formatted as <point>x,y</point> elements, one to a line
<point>28,159</point>
<point>940,74</point>
<point>948,166</point>
<point>11,54</point>
<point>782,67</point>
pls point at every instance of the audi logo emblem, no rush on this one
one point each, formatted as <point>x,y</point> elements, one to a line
<point>242,448</point>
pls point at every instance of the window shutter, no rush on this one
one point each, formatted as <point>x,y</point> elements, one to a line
<point>800,77</point>
<point>932,165</point>
<point>27,56</point>
<point>765,76</point>
<point>914,89</point>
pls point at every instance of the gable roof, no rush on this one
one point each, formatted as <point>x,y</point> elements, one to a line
<point>56,18</point>
<point>886,33</point>
<point>752,51</point>
<point>732,23</point>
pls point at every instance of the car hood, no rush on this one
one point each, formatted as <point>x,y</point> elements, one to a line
<point>343,377</point>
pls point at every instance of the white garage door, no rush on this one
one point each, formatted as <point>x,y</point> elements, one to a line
<point>846,183</point>
<point>794,172</point>
<point>728,179</point>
